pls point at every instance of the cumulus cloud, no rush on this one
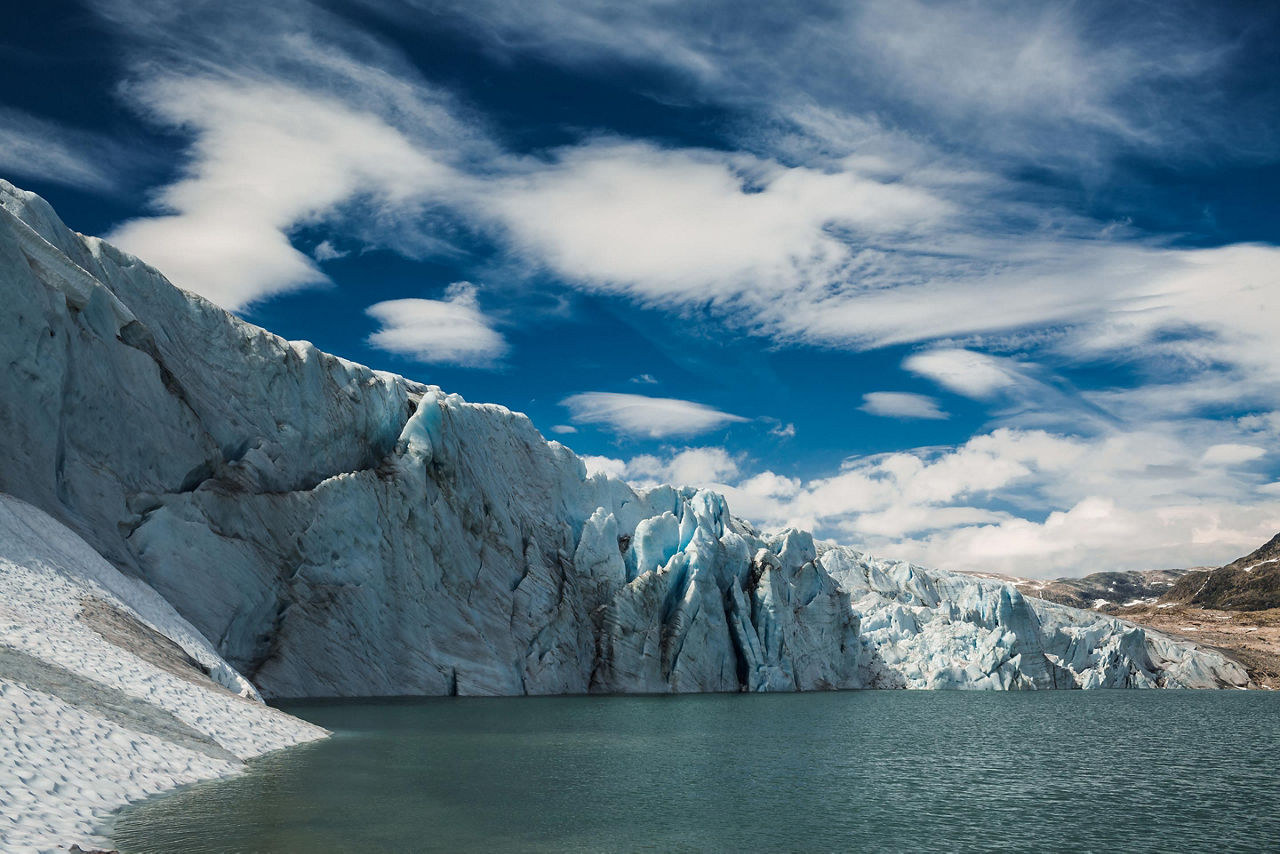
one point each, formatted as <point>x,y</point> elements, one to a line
<point>651,417</point>
<point>901,404</point>
<point>1027,502</point>
<point>452,330</point>
<point>604,465</point>
<point>710,466</point>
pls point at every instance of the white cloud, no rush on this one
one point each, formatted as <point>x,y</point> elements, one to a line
<point>645,379</point>
<point>1230,454</point>
<point>564,429</point>
<point>688,467</point>
<point>1264,422</point>
<point>691,225</point>
<point>326,251</point>
<point>901,404</point>
<point>965,372</point>
<point>34,148</point>
<point>652,417</point>
<point>1027,502</point>
<point>267,157</point>
<point>783,431</point>
<point>451,330</point>
<point>605,465</point>
<point>702,467</point>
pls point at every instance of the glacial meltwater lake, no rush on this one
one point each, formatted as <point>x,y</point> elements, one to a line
<point>857,771</point>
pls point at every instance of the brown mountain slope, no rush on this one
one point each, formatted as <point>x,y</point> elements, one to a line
<point>1251,583</point>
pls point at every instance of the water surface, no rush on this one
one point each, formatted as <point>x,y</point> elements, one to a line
<point>855,771</point>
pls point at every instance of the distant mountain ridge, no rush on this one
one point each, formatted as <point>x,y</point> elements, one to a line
<point>1101,591</point>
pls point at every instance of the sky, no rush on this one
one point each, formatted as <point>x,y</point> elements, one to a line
<point>987,286</point>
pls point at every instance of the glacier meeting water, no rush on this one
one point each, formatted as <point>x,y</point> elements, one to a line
<point>856,771</point>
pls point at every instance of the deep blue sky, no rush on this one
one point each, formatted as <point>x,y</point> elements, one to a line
<point>986,286</point>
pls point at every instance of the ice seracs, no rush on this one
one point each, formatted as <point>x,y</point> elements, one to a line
<point>936,629</point>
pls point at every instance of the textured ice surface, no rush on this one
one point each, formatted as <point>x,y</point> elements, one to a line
<point>334,530</point>
<point>935,629</point>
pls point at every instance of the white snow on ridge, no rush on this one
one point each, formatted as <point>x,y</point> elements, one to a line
<point>1252,567</point>
<point>86,724</point>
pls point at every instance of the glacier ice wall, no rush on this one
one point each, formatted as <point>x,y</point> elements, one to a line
<point>335,530</point>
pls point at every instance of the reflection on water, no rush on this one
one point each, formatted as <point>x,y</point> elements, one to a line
<point>855,771</point>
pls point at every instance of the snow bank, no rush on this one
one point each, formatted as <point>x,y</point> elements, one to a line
<point>106,694</point>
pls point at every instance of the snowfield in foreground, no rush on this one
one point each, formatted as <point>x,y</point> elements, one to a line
<point>106,694</point>
<point>330,530</point>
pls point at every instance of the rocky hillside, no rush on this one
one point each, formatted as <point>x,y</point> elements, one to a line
<point>1251,583</point>
<point>1100,591</point>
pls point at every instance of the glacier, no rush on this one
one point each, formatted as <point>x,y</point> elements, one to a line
<point>303,526</point>
<point>338,531</point>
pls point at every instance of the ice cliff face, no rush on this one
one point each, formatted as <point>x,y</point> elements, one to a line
<point>335,530</point>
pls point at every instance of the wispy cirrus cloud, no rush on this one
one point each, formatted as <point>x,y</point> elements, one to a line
<point>31,147</point>
<point>1048,83</point>
<point>651,417</point>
